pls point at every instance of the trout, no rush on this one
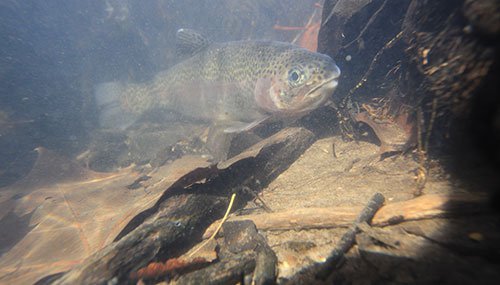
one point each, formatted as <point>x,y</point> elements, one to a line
<point>236,84</point>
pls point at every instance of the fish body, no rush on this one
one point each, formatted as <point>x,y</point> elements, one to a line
<point>238,84</point>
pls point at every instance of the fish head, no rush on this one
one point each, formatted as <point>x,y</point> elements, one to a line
<point>301,81</point>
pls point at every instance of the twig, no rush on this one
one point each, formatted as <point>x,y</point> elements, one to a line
<point>388,45</point>
<point>347,240</point>
<point>329,17</point>
<point>257,197</point>
<point>218,228</point>
<point>372,18</point>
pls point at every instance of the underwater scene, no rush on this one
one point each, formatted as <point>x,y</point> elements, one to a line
<point>249,142</point>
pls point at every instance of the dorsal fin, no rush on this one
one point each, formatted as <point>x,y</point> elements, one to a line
<point>190,42</point>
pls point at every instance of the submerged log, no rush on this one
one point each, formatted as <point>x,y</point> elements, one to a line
<point>180,216</point>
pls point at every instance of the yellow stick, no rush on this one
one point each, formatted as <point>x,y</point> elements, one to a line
<point>219,227</point>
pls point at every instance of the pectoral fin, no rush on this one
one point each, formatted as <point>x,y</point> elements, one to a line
<point>223,145</point>
<point>238,127</point>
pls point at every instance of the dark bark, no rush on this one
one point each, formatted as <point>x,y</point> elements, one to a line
<point>180,217</point>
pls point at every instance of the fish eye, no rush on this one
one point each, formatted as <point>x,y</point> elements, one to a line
<point>295,76</point>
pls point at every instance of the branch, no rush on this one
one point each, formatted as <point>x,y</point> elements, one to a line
<point>424,207</point>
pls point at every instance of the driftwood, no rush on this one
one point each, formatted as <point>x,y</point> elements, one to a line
<point>424,207</point>
<point>242,252</point>
<point>179,217</point>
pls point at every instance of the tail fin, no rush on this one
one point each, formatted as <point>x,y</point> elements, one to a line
<point>112,115</point>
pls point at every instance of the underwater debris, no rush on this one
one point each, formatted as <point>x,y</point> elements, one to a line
<point>186,205</point>
<point>348,239</point>
<point>244,255</point>
<point>229,207</point>
<point>168,269</point>
<point>397,133</point>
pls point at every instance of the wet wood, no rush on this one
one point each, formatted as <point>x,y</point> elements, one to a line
<point>424,207</point>
<point>178,219</point>
<point>242,252</point>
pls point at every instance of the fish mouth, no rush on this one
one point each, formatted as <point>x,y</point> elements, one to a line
<point>330,83</point>
<point>320,93</point>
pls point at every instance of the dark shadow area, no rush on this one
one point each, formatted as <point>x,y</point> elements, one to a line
<point>458,111</point>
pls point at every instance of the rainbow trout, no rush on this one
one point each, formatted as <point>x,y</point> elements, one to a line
<point>237,85</point>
